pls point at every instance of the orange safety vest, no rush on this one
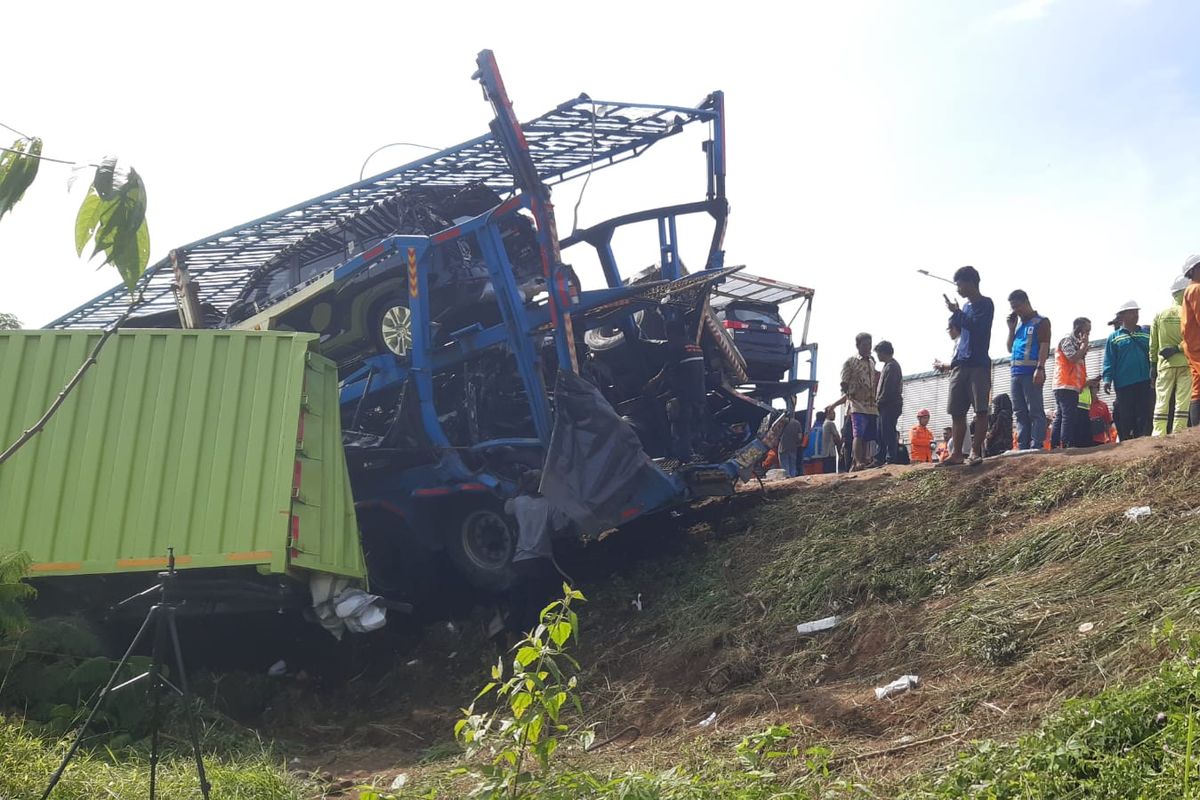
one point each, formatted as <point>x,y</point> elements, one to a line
<point>1070,374</point>
<point>919,440</point>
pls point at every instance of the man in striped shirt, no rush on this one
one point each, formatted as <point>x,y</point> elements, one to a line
<point>1070,378</point>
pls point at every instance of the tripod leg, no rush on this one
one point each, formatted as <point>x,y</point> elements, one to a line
<point>62,767</point>
<point>189,709</point>
<point>156,687</point>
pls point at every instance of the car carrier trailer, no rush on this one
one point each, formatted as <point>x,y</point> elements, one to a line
<point>462,338</point>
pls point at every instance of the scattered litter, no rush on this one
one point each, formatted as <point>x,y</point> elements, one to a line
<point>413,663</point>
<point>898,686</point>
<point>278,669</point>
<point>906,739</point>
<point>400,780</point>
<point>1137,512</point>
<point>1195,512</point>
<point>637,603</point>
<point>818,625</point>
<point>451,628</point>
<point>709,720</point>
<point>1087,627</point>
<point>453,654</point>
<point>775,475</point>
<point>294,761</point>
<point>934,557</point>
<point>1160,718</point>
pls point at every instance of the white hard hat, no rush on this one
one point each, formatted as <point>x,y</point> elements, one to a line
<point>1180,283</point>
<point>1128,305</point>
<point>1189,265</point>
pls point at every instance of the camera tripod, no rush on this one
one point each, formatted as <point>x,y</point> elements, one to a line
<point>159,623</point>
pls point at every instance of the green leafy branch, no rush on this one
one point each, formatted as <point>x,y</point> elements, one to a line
<point>527,718</point>
<point>113,213</point>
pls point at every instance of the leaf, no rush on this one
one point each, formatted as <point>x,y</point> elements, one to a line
<point>553,704</point>
<point>17,171</point>
<point>86,220</point>
<point>533,731</point>
<point>560,632</point>
<point>519,703</point>
<point>113,216</point>
<point>527,655</point>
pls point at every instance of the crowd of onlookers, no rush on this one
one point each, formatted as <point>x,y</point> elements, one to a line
<point>1151,372</point>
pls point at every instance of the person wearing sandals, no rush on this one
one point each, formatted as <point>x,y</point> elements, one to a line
<point>971,368</point>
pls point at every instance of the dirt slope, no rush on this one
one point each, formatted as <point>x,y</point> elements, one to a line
<point>1006,588</point>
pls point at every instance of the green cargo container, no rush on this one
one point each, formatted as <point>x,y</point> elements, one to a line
<point>225,445</point>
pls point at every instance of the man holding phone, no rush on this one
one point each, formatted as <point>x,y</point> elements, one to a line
<point>1029,344</point>
<point>971,368</point>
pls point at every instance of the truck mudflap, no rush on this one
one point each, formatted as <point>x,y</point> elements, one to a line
<point>595,470</point>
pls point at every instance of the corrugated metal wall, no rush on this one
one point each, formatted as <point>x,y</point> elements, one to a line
<point>929,390</point>
<point>184,439</point>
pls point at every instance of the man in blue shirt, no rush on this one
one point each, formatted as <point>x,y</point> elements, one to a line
<point>1029,344</point>
<point>971,367</point>
<point>1127,368</point>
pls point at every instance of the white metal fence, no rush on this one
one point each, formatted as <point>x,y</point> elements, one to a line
<point>929,389</point>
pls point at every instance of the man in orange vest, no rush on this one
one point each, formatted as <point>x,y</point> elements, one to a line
<point>920,439</point>
<point>1070,376</point>
<point>1189,326</point>
<point>946,445</point>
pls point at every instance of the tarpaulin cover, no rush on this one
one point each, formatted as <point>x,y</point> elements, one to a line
<point>595,467</point>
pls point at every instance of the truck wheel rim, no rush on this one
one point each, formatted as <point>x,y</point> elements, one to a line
<point>396,329</point>
<point>486,539</point>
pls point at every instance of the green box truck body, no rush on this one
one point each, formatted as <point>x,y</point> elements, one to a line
<point>223,445</point>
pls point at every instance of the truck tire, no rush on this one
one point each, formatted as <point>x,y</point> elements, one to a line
<point>480,542</point>
<point>390,326</point>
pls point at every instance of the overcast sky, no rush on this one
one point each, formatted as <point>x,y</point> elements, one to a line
<point>1054,144</point>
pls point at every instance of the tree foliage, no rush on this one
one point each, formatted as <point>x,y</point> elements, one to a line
<point>13,592</point>
<point>18,167</point>
<point>112,216</point>
<point>9,322</point>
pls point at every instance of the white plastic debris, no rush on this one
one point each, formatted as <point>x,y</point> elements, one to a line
<point>1087,627</point>
<point>340,606</point>
<point>1137,513</point>
<point>637,602</point>
<point>818,625</point>
<point>412,663</point>
<point>278,669</point>
<point>898,686</point>
<point>709,720</point>
<point>399,781</point>
<point>775,475</point>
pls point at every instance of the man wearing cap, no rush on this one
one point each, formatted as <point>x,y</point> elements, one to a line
<point>1127,368</point>
<point>1174,385</point>
<point>890,399</point>
<point>971,368</point>
<point>1029,343</point>
<point>920,439</point>
<point>1189,319</point>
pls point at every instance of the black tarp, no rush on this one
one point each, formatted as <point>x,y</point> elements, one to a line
<point>595,467</point>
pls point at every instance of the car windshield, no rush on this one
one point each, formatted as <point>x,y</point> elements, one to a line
<point>762,315</point>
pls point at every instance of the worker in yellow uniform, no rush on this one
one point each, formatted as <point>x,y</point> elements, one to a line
<point>1189,319</point>
<point>920,440</point>
<point>1174,383</point>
